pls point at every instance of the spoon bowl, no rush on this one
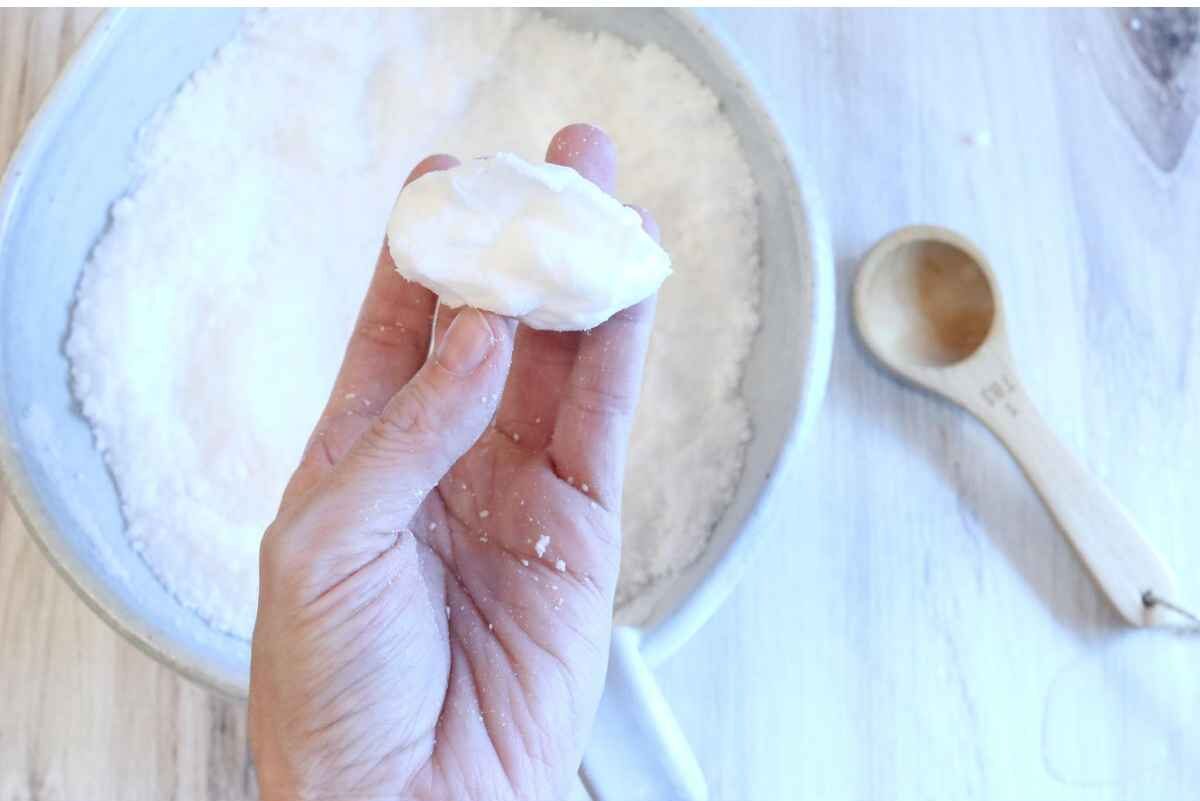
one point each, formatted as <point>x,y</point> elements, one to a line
<point>928,301</point>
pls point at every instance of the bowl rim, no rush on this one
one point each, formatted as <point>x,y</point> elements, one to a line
<point>711,590</point>
<point>63,95</point>
<point>811,232</point>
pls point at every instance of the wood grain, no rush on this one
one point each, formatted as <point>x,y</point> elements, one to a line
<point>960,652</point>
<point>1150,57</point>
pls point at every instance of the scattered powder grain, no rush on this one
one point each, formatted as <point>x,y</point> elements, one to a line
<point>213,313</point>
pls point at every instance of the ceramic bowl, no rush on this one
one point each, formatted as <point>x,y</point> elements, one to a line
<point>74,161</point>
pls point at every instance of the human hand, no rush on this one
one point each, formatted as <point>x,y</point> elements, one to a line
<point>416,636</point>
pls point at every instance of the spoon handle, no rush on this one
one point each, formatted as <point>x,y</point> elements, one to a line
<point>1123,564</point>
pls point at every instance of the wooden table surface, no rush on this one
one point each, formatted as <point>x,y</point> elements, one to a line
<point>916,628</point>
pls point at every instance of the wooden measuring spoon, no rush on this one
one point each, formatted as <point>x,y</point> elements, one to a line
<point>928,306</point>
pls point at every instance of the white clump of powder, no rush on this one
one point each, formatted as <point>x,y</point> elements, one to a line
<point>535,241</point>
<point>212,316</point>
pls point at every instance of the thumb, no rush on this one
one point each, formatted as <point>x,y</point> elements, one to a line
<point>428,425</point>
<point>354,515</point>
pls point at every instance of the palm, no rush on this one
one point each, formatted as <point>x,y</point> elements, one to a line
<point>508,648</point>
<point>464,660</point>
<point>511,615</point>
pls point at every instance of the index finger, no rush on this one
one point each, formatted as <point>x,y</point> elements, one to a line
<point>543,360</point>
<point>595,416</point>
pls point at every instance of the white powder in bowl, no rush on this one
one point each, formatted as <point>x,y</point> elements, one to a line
<point>212,316</point>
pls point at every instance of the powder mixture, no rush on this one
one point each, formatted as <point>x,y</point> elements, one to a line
<point>212,316</point>
<point>534,241</point>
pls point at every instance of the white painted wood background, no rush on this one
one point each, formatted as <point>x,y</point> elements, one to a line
<point>917,628</point>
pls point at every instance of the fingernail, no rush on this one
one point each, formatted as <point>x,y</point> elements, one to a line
<point>466,343</point>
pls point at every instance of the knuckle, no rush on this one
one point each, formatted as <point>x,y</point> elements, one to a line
<point>412,424</point>
<point>602,399</point>
<point>295,561</point>
<point>274,557</point>
<point>283,548</point>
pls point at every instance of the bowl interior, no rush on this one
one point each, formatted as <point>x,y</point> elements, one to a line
<point>74,163</point>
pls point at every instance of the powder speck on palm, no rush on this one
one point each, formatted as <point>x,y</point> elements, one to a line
<point>212,316</point>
